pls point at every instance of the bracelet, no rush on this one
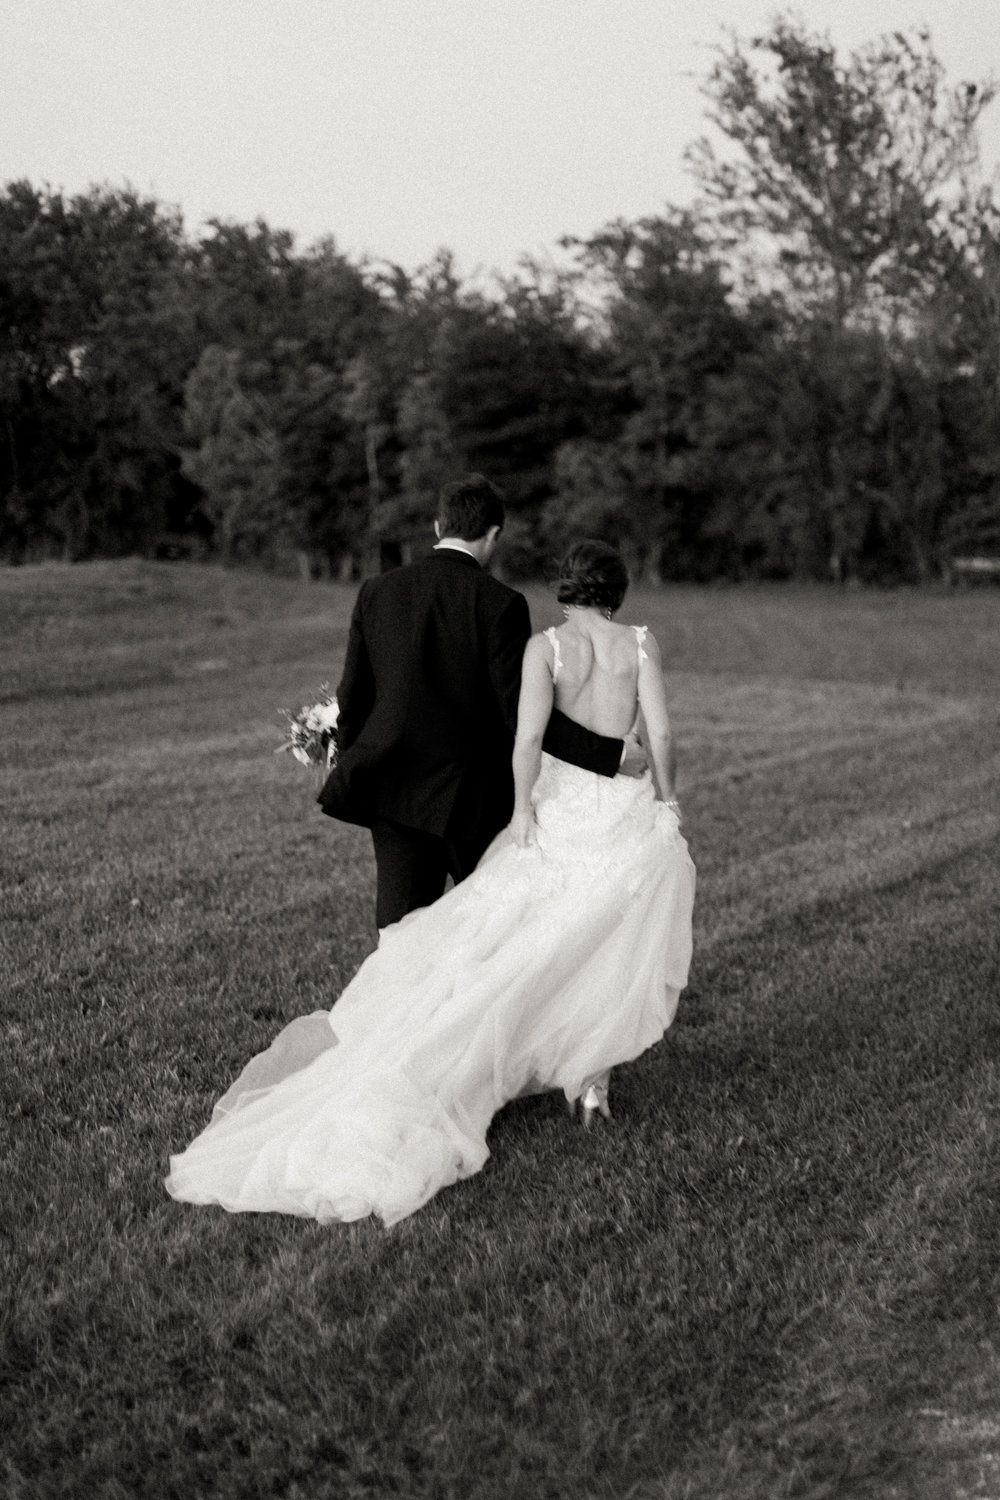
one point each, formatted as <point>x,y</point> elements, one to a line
<point>672,802</point>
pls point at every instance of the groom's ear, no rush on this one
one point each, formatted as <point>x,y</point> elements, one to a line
<point>437,529</point>
<point>493,535</point>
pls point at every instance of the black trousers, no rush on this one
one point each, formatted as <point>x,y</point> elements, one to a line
<point>412,867</point>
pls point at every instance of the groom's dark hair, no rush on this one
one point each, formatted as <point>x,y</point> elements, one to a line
<point>469,507</point>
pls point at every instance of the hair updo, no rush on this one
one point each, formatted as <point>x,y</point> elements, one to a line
<point>592,573</point>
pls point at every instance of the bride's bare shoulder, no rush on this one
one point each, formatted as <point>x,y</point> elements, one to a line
<point>631,635</point>
<point>649,646</point>
<point>539,647</point>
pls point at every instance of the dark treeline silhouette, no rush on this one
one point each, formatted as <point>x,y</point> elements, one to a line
<point>797,378</point>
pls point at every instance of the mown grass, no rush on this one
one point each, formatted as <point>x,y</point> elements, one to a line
<point>775,1275</point>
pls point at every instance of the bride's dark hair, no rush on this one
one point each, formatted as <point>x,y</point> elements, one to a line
<point>592,573</point>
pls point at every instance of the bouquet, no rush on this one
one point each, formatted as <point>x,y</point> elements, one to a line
<point>313,732</point>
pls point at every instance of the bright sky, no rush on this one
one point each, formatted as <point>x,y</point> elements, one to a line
<point>492,127</point>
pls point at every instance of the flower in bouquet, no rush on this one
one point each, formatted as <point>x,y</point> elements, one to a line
<point>312,735</point>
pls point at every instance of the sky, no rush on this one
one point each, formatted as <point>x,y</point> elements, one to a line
<point>490,127</point>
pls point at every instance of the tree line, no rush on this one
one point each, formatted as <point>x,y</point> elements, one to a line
<point>797,377</point>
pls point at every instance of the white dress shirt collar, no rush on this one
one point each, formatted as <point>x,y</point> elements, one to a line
<point>453,544</point>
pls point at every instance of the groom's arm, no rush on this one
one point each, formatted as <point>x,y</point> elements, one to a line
<point>569,741</point>
<point>356,690</point>
<point>505,653</point>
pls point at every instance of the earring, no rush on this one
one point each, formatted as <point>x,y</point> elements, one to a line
<point>566,610</point>
<point>607,614</point>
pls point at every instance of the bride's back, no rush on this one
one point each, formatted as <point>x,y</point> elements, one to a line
<point>595,670</point>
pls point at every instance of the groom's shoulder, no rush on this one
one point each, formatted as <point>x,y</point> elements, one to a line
<point>427,576</point>
<point>501,606</point>
<point>501,592</point>
<point>431,571</point>
<point>398,580</point>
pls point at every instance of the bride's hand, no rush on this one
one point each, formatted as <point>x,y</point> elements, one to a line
<point>675,808</point>
<point>522,829</point>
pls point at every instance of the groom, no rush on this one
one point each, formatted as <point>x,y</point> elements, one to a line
<point>428,708</point>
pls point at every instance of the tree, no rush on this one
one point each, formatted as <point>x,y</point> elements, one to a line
<point>667,328</point>
<point>249,285</point>
<point>292,334</point>
<point>94,337</point>
<point>592,482</point>
<point>960,340</point>
<point>839,176</point>
<point>462,380</point>
<point>319,467</point>
<point>517,379</point>
<point>234,457</point>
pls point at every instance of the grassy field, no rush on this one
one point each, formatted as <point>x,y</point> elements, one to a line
<point>775,1275</point>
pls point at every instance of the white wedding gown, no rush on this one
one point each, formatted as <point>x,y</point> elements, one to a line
<point>547,966</point>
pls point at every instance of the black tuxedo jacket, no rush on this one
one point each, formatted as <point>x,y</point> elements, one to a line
<point>428,702</point>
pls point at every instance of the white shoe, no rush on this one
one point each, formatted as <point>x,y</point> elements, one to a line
<point>594,1103</point>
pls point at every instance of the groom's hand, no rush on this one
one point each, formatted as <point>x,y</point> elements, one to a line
<point>636,760</point>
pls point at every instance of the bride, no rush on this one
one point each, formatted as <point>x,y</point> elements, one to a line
<point>560,957</point>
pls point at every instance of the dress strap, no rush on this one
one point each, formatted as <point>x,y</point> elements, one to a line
<point>641,632</point>
<point>553,640</point>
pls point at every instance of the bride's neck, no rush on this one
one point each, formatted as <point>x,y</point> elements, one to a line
<point>586,616</point>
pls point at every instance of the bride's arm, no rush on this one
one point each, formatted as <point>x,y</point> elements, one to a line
<point>533,709</point>
<point>659,740</point>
